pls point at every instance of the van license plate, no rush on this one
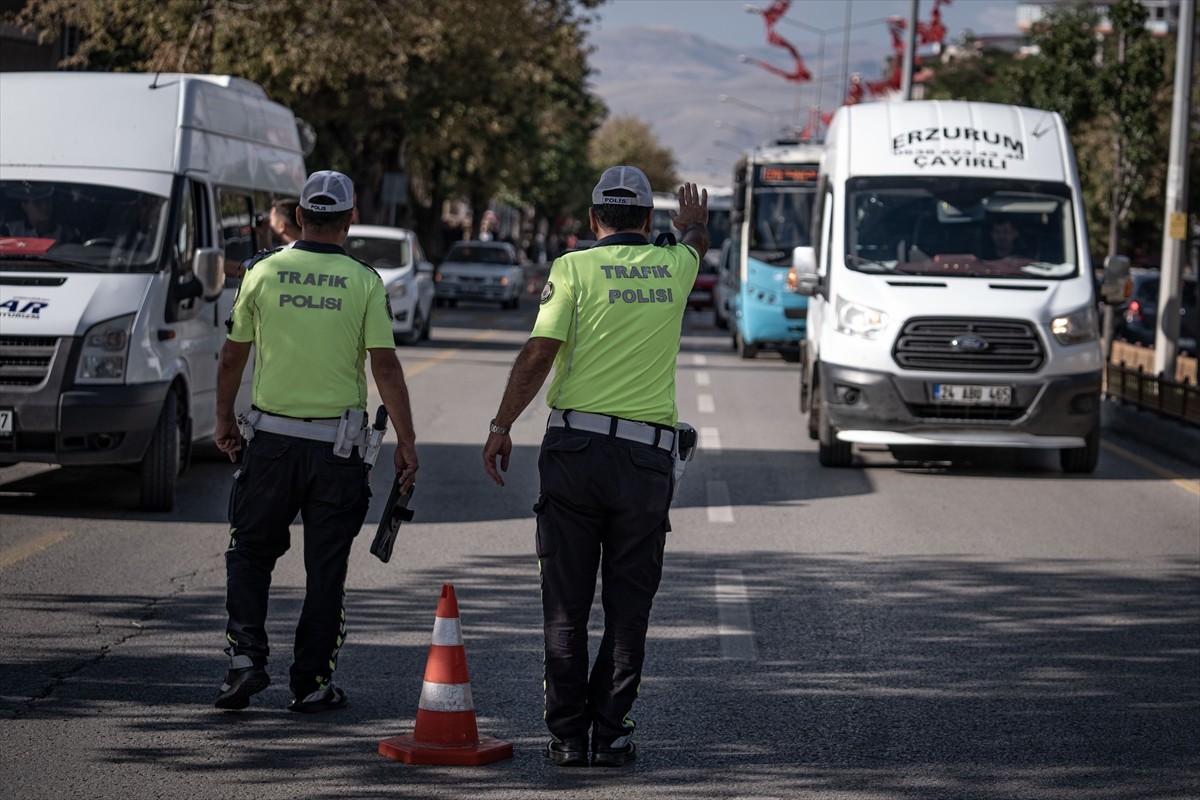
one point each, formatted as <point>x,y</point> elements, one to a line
<point>6,421</point>
<point>972,394</point>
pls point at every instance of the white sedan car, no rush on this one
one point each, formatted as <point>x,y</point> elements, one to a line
<point>397,257</point>
<point>488,271</point>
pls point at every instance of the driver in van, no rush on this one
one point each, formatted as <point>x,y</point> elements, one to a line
<point>1004,237</point>
<point>37,202</point>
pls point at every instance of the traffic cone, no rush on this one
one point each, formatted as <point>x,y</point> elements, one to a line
<point>445,732</point>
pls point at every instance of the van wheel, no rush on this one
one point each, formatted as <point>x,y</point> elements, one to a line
<point>744,348</point>
<point>160,467</point>
<point>1082,459</point>
<point>831,451</point>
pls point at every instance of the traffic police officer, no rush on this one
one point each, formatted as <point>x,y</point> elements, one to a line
<point>609,324</point>
<point>313,315</point>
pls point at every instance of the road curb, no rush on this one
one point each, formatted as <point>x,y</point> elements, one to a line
<point>1180,441</point>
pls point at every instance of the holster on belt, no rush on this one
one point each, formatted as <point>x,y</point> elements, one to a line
<point>683,450</point>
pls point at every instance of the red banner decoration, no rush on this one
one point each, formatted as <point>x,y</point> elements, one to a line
<point>932,32</point>
<point>772,15</point>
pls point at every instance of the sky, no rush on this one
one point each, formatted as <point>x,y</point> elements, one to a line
<point>706,103</point>
<point>728,22</point>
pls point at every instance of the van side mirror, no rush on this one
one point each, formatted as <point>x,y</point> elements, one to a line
<point>209,269</point>
<point>802,277</point>
<point>1115,286</point>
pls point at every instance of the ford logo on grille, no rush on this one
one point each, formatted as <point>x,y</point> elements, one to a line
<point>970,344</point>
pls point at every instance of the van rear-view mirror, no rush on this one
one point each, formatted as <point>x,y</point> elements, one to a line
<point>209,268</point>
<point>802,277</point>
<point>1115,285</point>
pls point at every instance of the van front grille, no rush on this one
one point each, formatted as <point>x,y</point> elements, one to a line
<point>26,360</point>
<point>950,344</point>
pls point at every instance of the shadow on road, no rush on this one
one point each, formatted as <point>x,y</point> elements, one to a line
<point>922,678</point>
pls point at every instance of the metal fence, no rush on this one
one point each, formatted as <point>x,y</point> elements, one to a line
<point>1129,378</point>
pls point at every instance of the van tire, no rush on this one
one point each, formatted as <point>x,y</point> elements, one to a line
<point>831,451</point>
<point>1077,460</point>
<point>160,467</point>
<point>744,348</point>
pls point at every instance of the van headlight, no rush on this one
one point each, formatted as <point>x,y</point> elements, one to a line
<point>105,352</point>
<point>856,319</point>
<point>398,290</point>
<point>1077,327</point>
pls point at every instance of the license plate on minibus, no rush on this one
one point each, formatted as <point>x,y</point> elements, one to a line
<point>6,421</point>
<point>972,394</point>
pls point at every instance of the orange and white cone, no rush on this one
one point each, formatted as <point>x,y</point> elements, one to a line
<point>445,732</point>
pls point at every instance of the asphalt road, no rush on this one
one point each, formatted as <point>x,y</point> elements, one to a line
<point>993,630</point>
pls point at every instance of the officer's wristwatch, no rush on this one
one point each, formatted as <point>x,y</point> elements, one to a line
<point>501,430</point>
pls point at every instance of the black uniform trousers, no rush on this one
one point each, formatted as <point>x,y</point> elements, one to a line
<point>603,505</point>
<point>280,477</point>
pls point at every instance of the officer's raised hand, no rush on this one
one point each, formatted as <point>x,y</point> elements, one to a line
<point>692,218</point>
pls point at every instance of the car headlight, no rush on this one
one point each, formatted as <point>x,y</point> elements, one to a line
<point>1077,327</point>
<point>105,352</point>
<point>856,319</point>
<point>399,290</point>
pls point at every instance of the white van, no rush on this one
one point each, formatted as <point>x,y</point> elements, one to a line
<point>122,197</point>
<point>952,297</point>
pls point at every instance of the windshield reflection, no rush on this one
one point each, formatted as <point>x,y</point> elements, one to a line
<point>44,224</point>
<point>961,228</point>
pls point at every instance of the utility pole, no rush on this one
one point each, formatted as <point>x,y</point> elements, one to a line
<point>910,52</point>
<point>1166,338</point>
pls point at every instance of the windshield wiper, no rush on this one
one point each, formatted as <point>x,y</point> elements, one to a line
<point>871,264</point>
<point>51,260</point>
<point>773,257</point>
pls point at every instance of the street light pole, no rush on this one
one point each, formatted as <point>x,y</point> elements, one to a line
<point>1166,337</point>
<point>910,47</point>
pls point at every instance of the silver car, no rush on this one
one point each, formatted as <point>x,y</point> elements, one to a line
<point>488,271</point>
<point>408,277</point>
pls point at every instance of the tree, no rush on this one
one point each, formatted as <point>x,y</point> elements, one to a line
<point>628,140</point>
<point>425,86</point>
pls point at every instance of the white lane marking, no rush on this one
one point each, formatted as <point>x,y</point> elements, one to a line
<point>710,439</point>
<point>700,360</point>
<point>705,404</point>
<point>702,379</point>
<point>735,630</point>
<point>719,509</point>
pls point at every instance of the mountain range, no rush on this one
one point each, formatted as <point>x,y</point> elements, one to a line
<point>674,80</point>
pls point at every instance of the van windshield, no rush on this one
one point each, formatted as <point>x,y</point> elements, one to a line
<point>48,225</point>
<point>965,227</point>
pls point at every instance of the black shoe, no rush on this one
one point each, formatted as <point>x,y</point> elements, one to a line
<point>613,755</point>
<point>568,752</point>
<point>326,699</point>
<point>240,684</point>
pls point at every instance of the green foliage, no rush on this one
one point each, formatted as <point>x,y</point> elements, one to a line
<point>1112,91</point>
<point>628,140</point>
<point>470,98</point>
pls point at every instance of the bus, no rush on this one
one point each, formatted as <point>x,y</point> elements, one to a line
<point>773,191</point>
<point>703,294</point>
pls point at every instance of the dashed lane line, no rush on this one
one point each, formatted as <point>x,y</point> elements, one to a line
<point>710,439</point>
<point>705,404</point>
<point>719,507</point>
<point>735,630</point>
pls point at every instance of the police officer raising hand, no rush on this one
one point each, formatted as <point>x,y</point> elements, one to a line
<point>609,326</point>
<point>314,316</point>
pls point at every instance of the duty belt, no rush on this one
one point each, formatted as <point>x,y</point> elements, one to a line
<point>318,430</point>
<point>642,432</point>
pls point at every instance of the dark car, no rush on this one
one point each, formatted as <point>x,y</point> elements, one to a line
<point>1138,316</point>
<point>705,288</point>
